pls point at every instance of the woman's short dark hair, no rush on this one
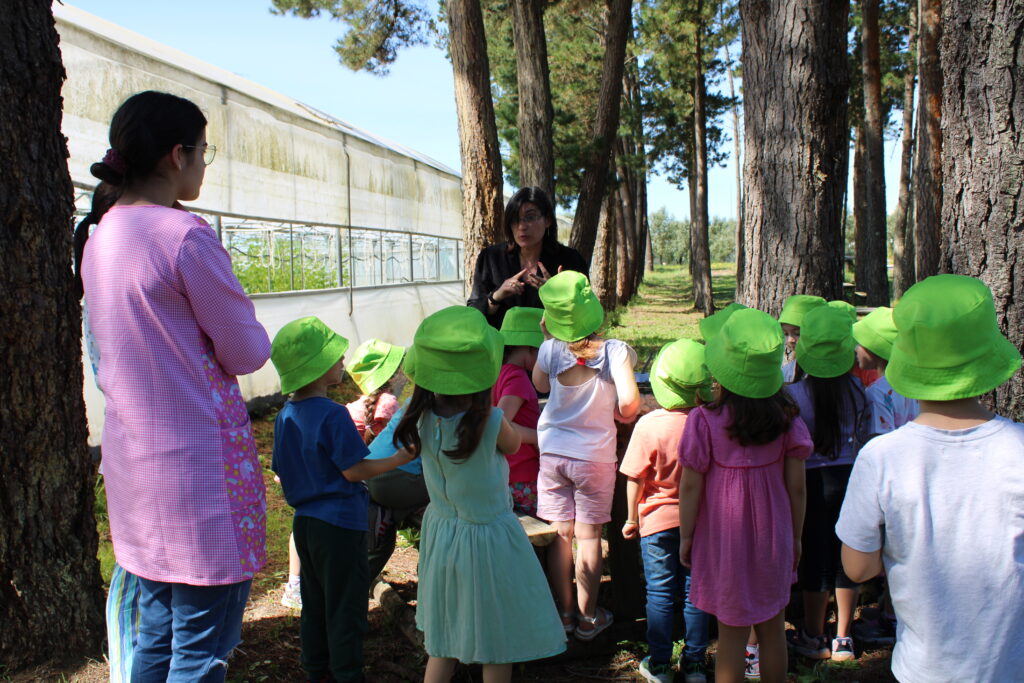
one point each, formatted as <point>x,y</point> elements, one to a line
<point>540,199</point>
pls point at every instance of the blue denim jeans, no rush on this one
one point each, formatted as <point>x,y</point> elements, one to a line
<point>666,578</point>
<point>187,632</point>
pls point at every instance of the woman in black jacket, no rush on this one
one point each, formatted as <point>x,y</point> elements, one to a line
<point>510,273</point>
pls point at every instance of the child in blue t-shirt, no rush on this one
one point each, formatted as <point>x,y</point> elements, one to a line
<point>320,459</point>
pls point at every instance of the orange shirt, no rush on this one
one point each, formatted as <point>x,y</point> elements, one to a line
<point>653,457</point>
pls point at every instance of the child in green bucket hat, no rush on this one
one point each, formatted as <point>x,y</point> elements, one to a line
<point>374,369</point>
<point>794,308</point>
<point>744,451</point>
<point>469,529</point>
<point>592,384</point>
<point>681,381</point>
<point>321,462</point>
<point>836,410</point>
<point>515,394</point>
<point>937,502</point>
<point>875,335</point>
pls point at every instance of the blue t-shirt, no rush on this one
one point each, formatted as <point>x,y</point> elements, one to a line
<point>383,446</point>
<point>314,441</point>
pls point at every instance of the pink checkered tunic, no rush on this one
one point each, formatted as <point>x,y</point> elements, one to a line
<point>184,486</point>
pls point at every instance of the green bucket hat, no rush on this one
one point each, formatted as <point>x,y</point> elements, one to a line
<point>455,352</point>
<point>710,325</point>
<point>303,350</point>
<point>679,375</point>
<point>846,307</point>
<point>745,356</point>
<point>949,345</point>
<point>571,311</point>
<point>876,332</point>
<point>373,363</point>
<point>826,347</point>
<point>521,327</point>
<point>797,306</point>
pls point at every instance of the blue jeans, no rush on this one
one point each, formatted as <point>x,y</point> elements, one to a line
<point>666,578</point>
<point>187,632</point>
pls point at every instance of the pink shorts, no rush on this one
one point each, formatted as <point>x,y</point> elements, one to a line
<point>568,489</point>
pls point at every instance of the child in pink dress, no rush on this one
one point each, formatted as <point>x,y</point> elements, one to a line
<point>742,495</point>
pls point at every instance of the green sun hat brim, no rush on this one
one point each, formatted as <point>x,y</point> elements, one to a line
<point>745,356</point>
<point>876,332</point>
<point>455,352</point>
<point>373,363</point>
<point>846,307</point>
<point>571,309</point>
<point>826,347</point>
<point>304,350</point>
<point>679,375</point>
<point>521,327</point>
<point>797,306</point>
<point>711,325</point>
<point>949,345</point>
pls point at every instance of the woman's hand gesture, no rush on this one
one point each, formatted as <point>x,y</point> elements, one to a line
<point>510,287</point>
<point>535,280</point>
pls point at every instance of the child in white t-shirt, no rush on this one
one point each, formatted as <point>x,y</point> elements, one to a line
<point>875,335</point>
<point>940,501</point>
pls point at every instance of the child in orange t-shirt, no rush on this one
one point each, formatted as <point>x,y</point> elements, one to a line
<point>680,381</point>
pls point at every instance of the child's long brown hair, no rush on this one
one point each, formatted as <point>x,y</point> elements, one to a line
<point>470,430</point>
<point>756,421</point>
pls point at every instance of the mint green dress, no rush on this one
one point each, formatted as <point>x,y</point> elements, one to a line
<point>482,596</point>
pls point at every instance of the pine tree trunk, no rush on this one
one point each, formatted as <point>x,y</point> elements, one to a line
<point>604,257</point>
<point>622,278</point>
<point>860,207</point>
<point>51,598</point>
<point>928,181</point>
<point>536,150</point>
<point>871,262</point>
<point>593,185</point>
<point>983,162</point>
<point>737,141</point>
<point>903,236</point>
<point>703,299</point>
<point>482,210</point>
<point>795,84</point>
<point>631,264</point>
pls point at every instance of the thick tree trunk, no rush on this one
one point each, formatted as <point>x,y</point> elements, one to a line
<point>478,133</point>
<point>703,299</point>
<point>983,167</point>
<point>873,276</point>
<point>860,206</point>
<point>622,274</point>
<point>536,150</point>
<point>738,143</point>
<point>604,270</point>
<point>795,84</point>
<point>51,598</point>
<point>928,181</point>
<point>903,236</point>
<point>627,201</point>
<point>594,183</point>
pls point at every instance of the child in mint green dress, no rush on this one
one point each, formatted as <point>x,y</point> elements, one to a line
<point>482,595</point>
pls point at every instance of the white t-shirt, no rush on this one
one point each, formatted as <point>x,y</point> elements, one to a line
<point>947,510</point>
<point>579,421</point>
<point>889,410</point>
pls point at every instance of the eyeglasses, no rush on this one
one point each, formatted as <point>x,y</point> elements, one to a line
<point>531,218</point>
<point>209,152</point>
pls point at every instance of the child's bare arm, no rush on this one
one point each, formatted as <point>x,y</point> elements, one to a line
<point>509,440</point>
<point>860,566</point>
<point>510,405</point>
<point>691,488</point>
<point>796,487</point>
<point>631,529</point>
<point>368,469</point>
<point>626,389</point>
<point>541,380</point>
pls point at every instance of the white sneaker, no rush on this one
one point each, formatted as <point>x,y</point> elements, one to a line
<point>752,666</point>
<point>292,597</point>
<point>656,673</point>
<point>842,650</point>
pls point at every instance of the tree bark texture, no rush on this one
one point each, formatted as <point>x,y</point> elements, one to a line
<point>622,251</point>
<point>594,183</point>
<point>51,598</point>
<point>860,204</point>
<point>872,256</point>
<point>983,162</point>
<point>903,235</point>
<point>536,149</point>
<point>795,83</point>
<point>738,144</point>
<point>604,269</point>
<point>928,182</point>
<point>703,298</point>
<point>627,201</point>
<point>482,210</point>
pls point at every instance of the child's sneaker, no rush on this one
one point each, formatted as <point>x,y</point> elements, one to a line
<point>694,670</point>
<point>292,598</point>
<point>812,647</point>
<point>880,631</point>
<point>656,673</point>
<point>842,649</point>
<point>752,666</point>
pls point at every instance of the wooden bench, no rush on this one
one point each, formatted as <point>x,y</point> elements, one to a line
<point>539,532</point>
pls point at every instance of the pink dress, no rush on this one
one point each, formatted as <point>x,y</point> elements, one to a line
<point>173,327</point>
<point>742,552</point>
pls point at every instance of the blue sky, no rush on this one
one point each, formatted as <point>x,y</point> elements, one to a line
<point>414,105</point>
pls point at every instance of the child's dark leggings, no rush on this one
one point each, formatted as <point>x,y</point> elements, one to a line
<point>821,567</point>
<point>335,585</point>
